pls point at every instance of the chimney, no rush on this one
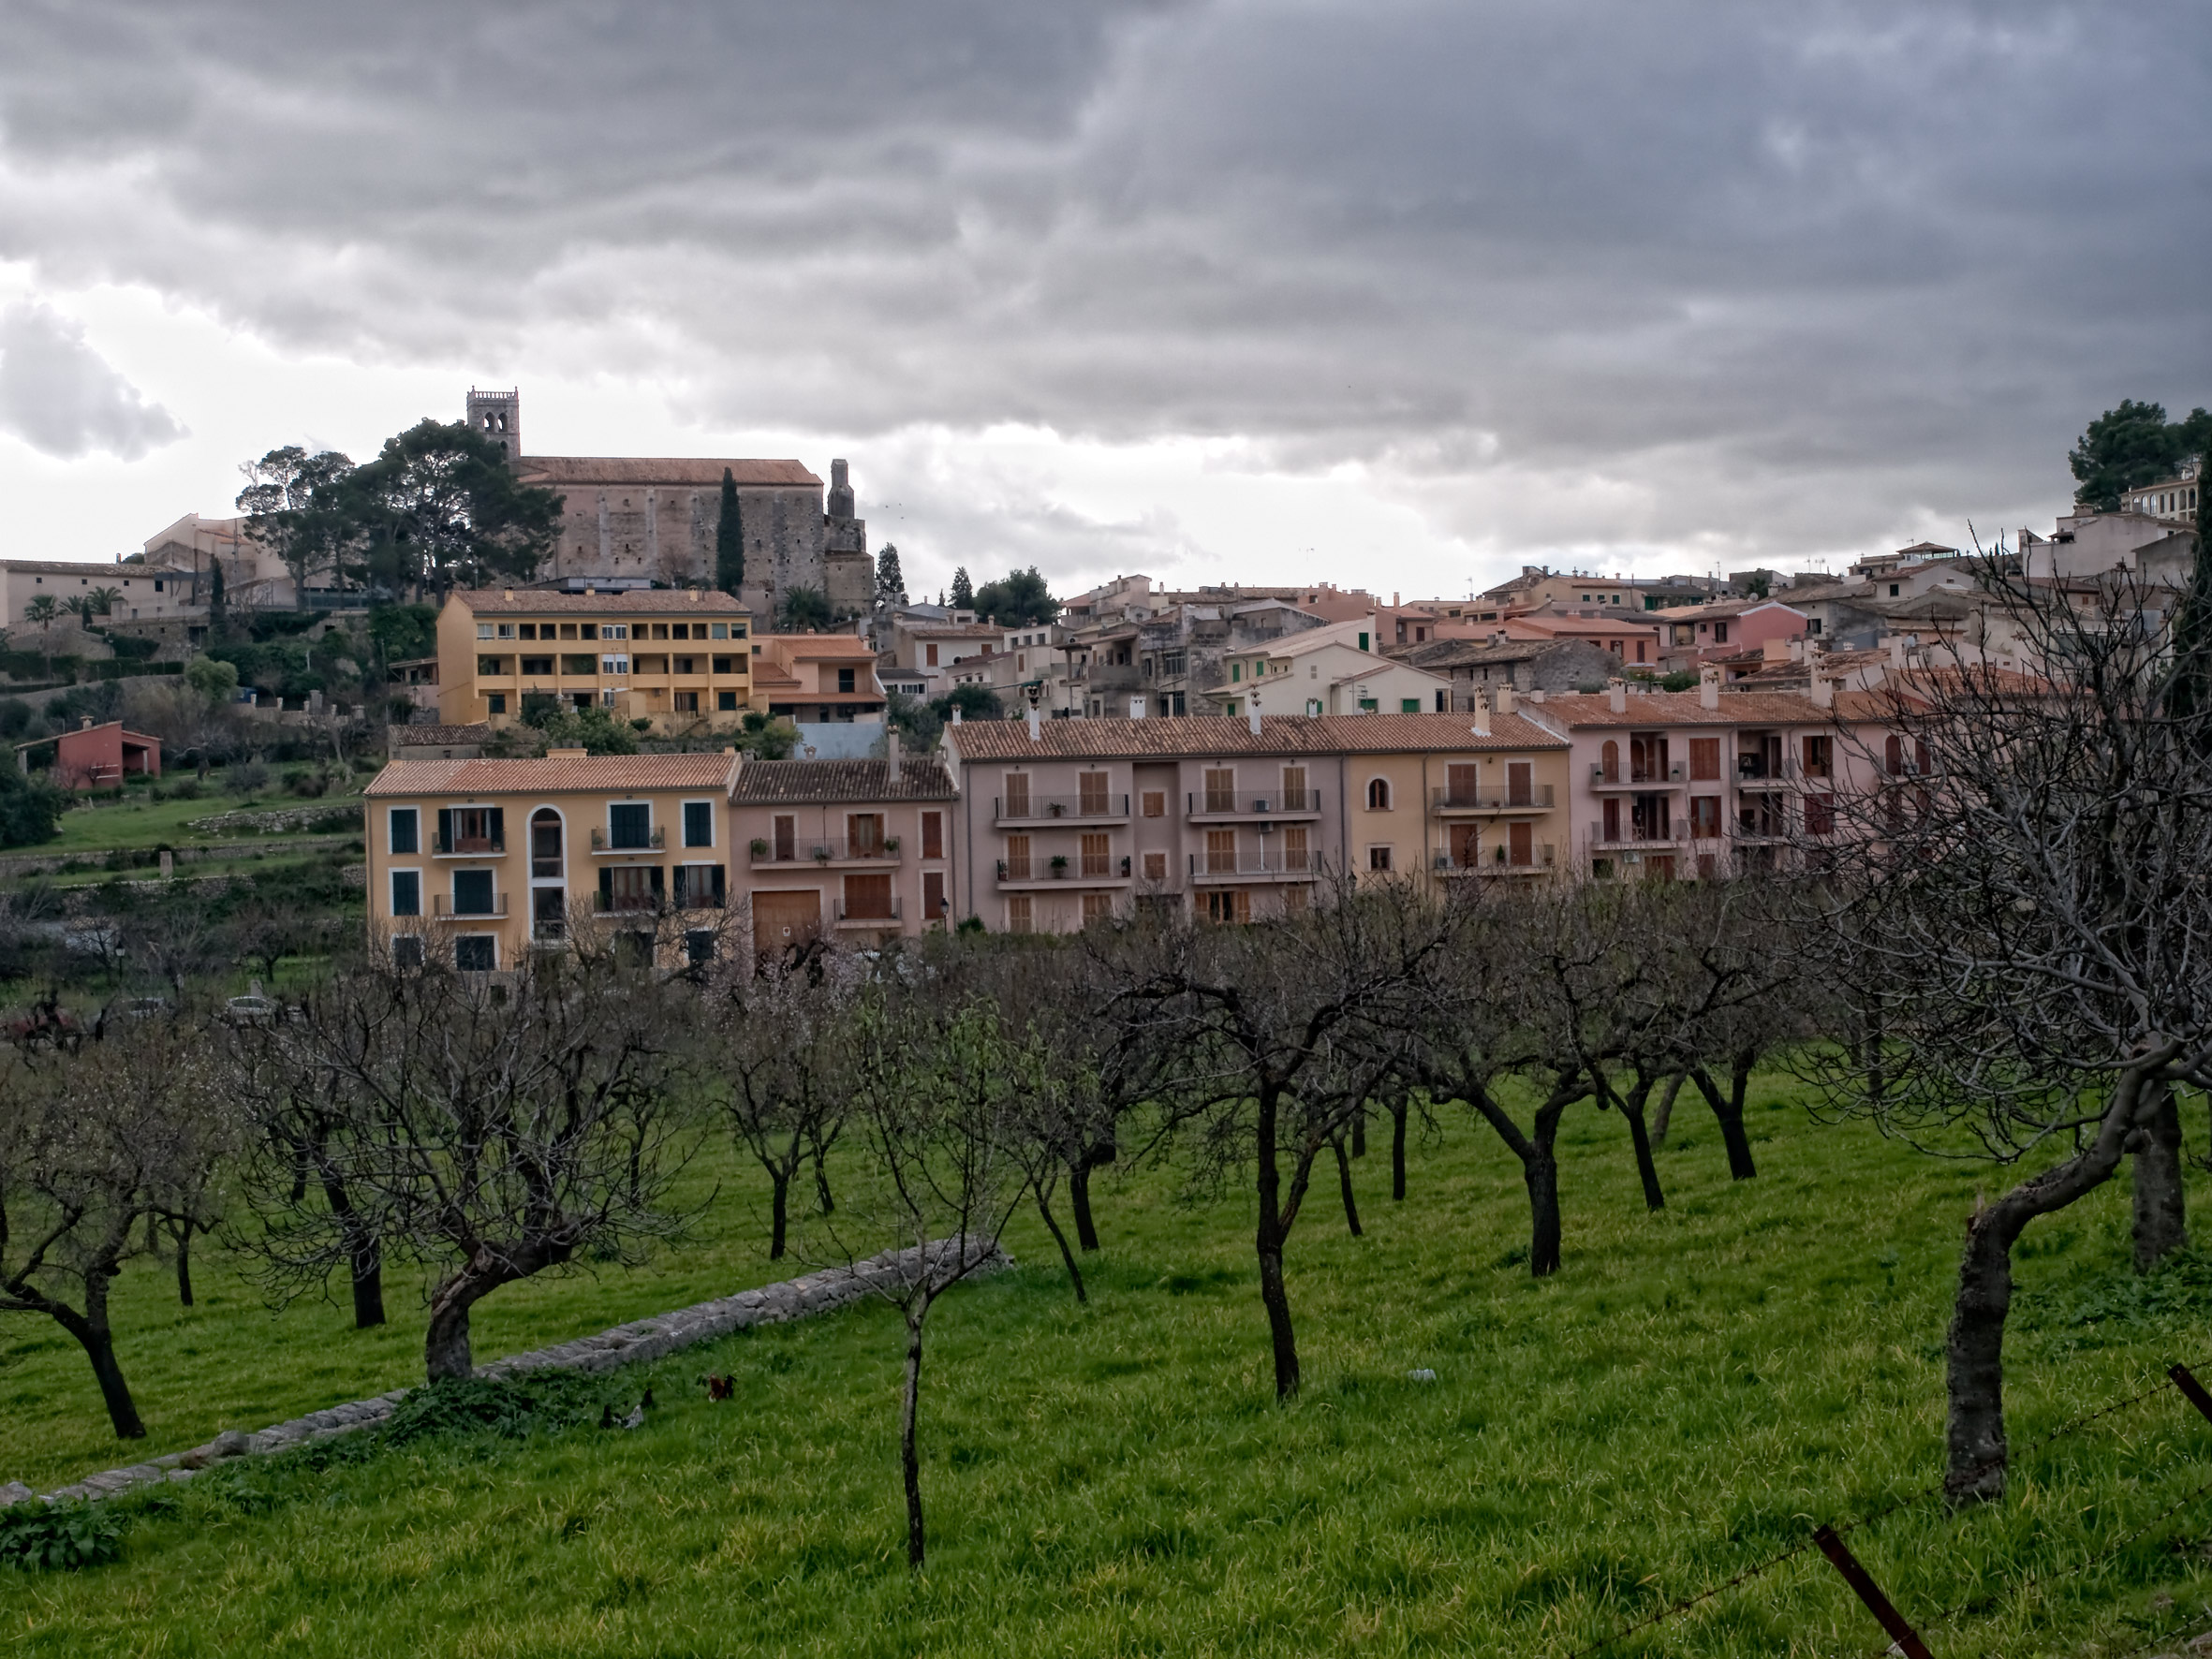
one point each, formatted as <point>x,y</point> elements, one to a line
<point>1896,651</point>
<point>1252,716</point>
<point>1503,699</point>
<point>1036,727</point>
<point>1481,714</point>
<point>1823,690</point>
<point>1617,695</point>
<point>955,713</point>
<point>1797,648</point>
<point>85,724</point>
<point>1708,688</point>
<point>508,594</point>
<point>890,747</point>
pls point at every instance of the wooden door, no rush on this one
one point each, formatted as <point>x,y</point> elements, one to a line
<point>1462,786</point>
<point>784,920</point>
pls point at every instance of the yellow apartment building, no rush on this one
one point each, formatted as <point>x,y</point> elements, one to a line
<point>679,657</point>
<point>475,862</point>
<point>1442,798</point>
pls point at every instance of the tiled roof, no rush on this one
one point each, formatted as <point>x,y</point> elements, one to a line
<point>1683,708</point>
<point>806,783</point>
<point>647,471</point>
<point>618,773</point>
<point>1279,734</point>
<point>543,601</point>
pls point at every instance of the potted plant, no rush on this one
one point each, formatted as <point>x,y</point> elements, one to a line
<point>1059,866</point>
<point>821,855</point>
<point>891,844</point>
<point>1057,808</point>
<point>760,846</point>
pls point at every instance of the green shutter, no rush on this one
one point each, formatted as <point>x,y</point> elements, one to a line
<point>499,826</point>
<point>444,829</point>
<point>606,888</point>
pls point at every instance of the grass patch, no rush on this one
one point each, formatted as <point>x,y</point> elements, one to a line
<point>1686,1398</point>
<point>137,820</point>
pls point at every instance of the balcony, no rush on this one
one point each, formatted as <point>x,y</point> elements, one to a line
<point>466,846</point>
<point>1755,772</point>
<point>1669,834</point>
<point>1040,809</point>
<point>1034,875</point>
<point>867,915</point>
<point>832,853</point>
<point>1536,798</point>
<point>1638,777</point>
<point>441,909</point>
<point>1264,864</point>
<point>653,842</point>
<point>1200,804</point>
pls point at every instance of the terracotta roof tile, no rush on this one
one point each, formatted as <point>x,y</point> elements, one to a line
<point>1279,734</point>
<point>623,773</point>
<point>647,471</point>
<point>806,783</point>
<point>543,601</point>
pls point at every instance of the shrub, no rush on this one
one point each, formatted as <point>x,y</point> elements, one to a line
<point>59,1537</point>
<point>247,777</point>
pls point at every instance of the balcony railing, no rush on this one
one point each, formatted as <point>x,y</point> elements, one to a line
<point>651,842</point>
<point>1670,832</point>
<point>441,909</point>
<point>1247,861</point>
<point>866,912</point>
<point>462,846</point>
<point>1534,797</point>
<point>1020,809</point>
<point>1254,803</point>
<point>1637,777</point>
<point>831,850</point>
<point>1112,867</point>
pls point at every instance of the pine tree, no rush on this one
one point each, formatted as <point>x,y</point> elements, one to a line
<point>890,586</point>
<point>964,591</point>
<point>730,540</point>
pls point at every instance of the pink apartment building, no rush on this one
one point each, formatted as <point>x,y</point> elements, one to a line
<point>1705,783</point>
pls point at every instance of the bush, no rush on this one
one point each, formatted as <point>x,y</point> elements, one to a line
<point>59,1537</point>
<point>245,777</point>
<point>507,1407</point>
<point>30,812</point>
<point>183,789</point>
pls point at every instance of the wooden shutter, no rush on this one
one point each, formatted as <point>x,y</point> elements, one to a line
<point>606,888</point>
<point>445,826</point>
<point>1461,784</point>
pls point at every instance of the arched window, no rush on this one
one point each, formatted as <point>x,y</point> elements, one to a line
<point>1379,795</point>
<point>545,842</point>
<point>1609,758</point>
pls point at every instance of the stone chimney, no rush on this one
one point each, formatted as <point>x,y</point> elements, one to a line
<point>1503,699</point>
<point>84,724</point>
<point>955,713</point>
<point>1797,650</point>
<point>891,748</point>
<point>1709,688</point>
<point>1617,695</point>
<point>1481,714</point>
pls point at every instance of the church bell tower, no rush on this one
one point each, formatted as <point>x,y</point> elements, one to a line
<point>498,414</point>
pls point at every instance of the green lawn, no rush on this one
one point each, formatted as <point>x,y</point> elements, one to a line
<point>137,820</point>
<point>1689,1397</point>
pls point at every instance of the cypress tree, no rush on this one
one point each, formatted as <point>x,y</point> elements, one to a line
<point>730,540</point>
<point>964,591</point>
<point>890,586</point>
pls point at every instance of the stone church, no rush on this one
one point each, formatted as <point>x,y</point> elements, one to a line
<point>634,521</point>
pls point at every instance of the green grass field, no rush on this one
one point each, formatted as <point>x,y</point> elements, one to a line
<point>137,820</point>
<point>1688,1398</point>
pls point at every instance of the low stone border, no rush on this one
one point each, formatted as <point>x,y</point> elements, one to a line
<point>639,1342</point>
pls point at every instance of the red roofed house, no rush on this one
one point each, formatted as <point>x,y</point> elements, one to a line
<point>101,757</point>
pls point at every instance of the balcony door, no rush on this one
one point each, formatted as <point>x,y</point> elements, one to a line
<point>1520,784</point>
<point>545,843</point>
<point>1462,784</point>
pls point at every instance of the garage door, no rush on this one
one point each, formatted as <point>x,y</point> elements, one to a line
<point>781,919</point>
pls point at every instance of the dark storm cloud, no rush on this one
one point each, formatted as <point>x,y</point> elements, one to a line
<point>1816,263</point>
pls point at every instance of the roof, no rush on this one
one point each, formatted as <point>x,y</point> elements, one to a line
<point>86,731</point>
<point>1684,708</point>
<point>1724,608</point>
<point>84,568</point>
<point>616,773</point>
<point>543,601</point>
<point>850,645</point>
<point>1279,734</point>
<point>1460,654</point>
<point>805,783</point>
<point>647,471</point>
<point>433,737</point>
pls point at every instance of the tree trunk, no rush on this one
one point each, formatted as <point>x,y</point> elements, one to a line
<point>1540,1171</point>
<point>909,1464</point>
<point>1269,1246</point>
<point>1351,1206</point>
<point>1727,1110</point>
<point>1661,1124</point>
<point>92,1335</point>
<point>183,1234</point>
<point>1044,1208</point>
<point>1631,1107</point>
<point>1079,1199</point>
<point>1975,1430</point>
<point>821,1182</point>
<point>1397,1150</point>
<point>779,1189</point>
<point>1358,1136</point>
<point>368,1286</point>
<point>2161,1216</point>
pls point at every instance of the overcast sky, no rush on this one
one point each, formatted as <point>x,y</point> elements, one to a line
<point>1397,294</point>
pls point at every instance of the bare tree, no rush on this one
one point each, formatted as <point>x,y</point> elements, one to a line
<point>935,1108</point>
<point>102,1134</point>
<point>1272,1037</point>
<point>2018,922</point>
<point>495,1131</point>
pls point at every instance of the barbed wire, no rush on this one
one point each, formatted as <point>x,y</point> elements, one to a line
<point>2074,1426</point>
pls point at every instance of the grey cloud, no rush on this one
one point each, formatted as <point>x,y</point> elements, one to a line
<point>1822,265</point>
<point>61,397</point>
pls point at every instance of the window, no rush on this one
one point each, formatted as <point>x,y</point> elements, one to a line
<point>929,656</point>
<point>1294,900</point>
<point>1720,633</point>
<point>538,665</point>
<point>1379,795</point>
<point>630,826</point>
<point>1156,803</point>
<point>698,887</point>
<point>721,631</point>
<point>1017,858</point>
<point>1156,866</point>
<point>1313,705</point>
<point>725,665</point>
<point>577,665</point>
<point>406,892</point>
<point>1409,705</point>
<point>1520,846</point>
<point>1221,852</point>
<point>1293,799</point>
<point>1236,672</point>
<point>472,894</point>
<point>1367,705</point>
<point>932,835</point>
<point>476,953</point>
<point>932,894</point>
<point>614,665</point>
<point>471,830</point>
<point>699,823</point>
<point>685,664</point>
<point>1704,815</point>
<point>699,946</point>
<point>491,664</point>
<point>1378,859</point>
<point>1893,590</point>
<point>1704,759</point>
<point>615,631</point>
<point>1220,789</point>
<point>586,631</point>
<point>844,681</point>
<point>495,703</point>
<point>1235,905</point>
<point>1097,856</point>
<point>404,828</point>
<point>484,630</point>
<point>1091,798</point>
<point>407,952</point>
<point>1819,758</point>
<point>726,702</point>
<point>630,887</point>
<point>867,898</point>
<point>1096,907</point>
<point>1017,794</point>
<point>1893,756</point>
<point>1295,855</point>
<point>1819,814</point>
<point>785,842</point>
<point>507,630</point>
<point>684,702</point>
<point>863,835</point>
<point>1363,642</point>
<point>1018,918</point>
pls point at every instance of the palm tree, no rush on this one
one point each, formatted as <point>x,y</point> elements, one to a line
<point>42,609</point>
<point>102,601</point>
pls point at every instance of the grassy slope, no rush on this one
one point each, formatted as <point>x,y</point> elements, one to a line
<point>138,821</point>
<point>1680,1403</point>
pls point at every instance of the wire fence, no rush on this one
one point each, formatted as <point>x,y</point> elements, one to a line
<point>1907,1636</point>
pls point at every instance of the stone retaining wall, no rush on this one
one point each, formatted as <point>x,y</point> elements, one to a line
<point>639,1342</point>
